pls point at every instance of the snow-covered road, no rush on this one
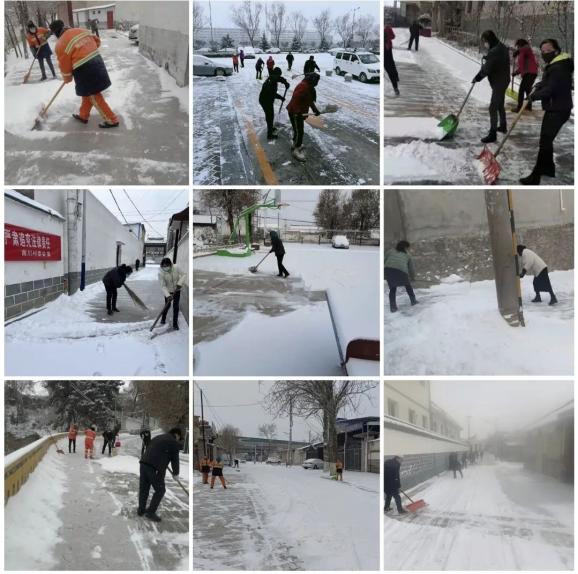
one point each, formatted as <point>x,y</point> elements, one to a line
<point>270,326</point>
<point>74,336</point>
<point>278,518</point>
<point>433,84</point>
<point>498,517</point>
<point>151,146</point>
<point>456,329</point>
<point>86,518</point>
<point>229,131</point>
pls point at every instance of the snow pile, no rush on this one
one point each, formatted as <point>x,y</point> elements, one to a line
<point>120,463</point>
<point>31,517</point>
<point>457,330</point>
<point>417,160</point>
<point>418,128</point>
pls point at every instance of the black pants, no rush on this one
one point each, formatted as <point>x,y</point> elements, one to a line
<point>176,301</point>
<point>289,65</point>
<point>411,40</point>
<point>391,68</point>
<point>149,476</point>
<point>236,67</point>
<point>542,283</point>
<point>551,124</point>
<point>393,295</point>
<point>458,470</point>
<point>298,125</point>
<point>280,266</point>
<point>525,89</point>
<point>242,62</point>
<point>71,443</point>
<point>108,443</point>
<point>42,69</point>
<point>396,497</point>
<point>259,74</point>
<point>269,116</point>
<point>397,278</point>
<point>497,108</point>
<point>111,294</point>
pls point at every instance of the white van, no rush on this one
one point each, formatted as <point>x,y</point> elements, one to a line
<point>362,65</point>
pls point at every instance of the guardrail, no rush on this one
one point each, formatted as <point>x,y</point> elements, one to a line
<point>16,473</point>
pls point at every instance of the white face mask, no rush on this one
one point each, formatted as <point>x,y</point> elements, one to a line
<point>166,269</point>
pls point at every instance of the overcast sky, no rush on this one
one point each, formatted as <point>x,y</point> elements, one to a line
<point>239,403</point>
<point>221,10</point>
<point>499,405</point>
<point>156,206</point>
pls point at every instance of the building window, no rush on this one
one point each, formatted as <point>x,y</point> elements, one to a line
<point>412,417</point>
<point>392,408</point>
<point>434,426</point>
<point>424,421</point>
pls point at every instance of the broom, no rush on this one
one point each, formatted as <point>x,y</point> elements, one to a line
<point>135,298</point>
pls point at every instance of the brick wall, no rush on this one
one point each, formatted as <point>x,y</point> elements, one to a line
<point>21,297</point>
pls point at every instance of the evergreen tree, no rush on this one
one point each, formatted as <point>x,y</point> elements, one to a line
<point>227,42</point>
<point>295,45</point>
<point>264,44</point>
<point>324,45</point>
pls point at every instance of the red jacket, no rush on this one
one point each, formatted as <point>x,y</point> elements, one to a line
<point>526,61</point>
<point>72,432</point>
<point>89,436</point>
<point>270,63</point>
<point>235,59</point>
<point>303,96</point>
<point>389,36</point>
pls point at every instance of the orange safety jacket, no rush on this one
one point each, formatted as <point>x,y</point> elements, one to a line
<point>216,464</point>
<point>74,48</point>
<point>204,462</point>
<point>89,436</point>
<point>38,39</point>
<point>339,465</point>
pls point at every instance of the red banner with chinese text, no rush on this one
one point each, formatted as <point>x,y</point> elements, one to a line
<point>23,244</point>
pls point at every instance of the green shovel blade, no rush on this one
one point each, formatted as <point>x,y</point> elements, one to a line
<point>449,125</point>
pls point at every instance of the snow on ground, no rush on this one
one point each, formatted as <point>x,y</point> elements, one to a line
<point>498,517</point>
<point>230,145</point>
<point>278,518</point>
<point>269,316</point>
<point>149,147</point>
<point>419,128</point>
<point>456,329</point>
<point>65,339</point>
<point>32,520</point>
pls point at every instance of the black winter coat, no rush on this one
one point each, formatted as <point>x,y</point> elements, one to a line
<point>161,451</point>
<point>454,462</point>
<point>555,88</point>
<point>91,78</point>
<point>391,479</point>
<point>277,245</point>
<point>310,66</point>
<point>269,90</point>
<point>259,64</point>
<point>414,29</point>
<point>290,57</point>
<point>496,66</point>
<point>115,277</point>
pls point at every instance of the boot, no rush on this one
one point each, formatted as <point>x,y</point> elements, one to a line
<point>490,138</point>
<point>549,171</point>
<point>176,327</point>
<point>402,511</point>
<point>393,308</point>
<point>388,509</point>
<point>414,302</point>
<point>106,125</point>
<point>553,300</point>
<point>140,512</point>
<point>532,179</point>
<point>109,311</point>
<point>153,516</point>
<point>298,154</point>
<point>116,310</point>
<point>286,275</point>
<point>537,298</point>
<point>77,117</point>
<point>503,129</point>
<point>396,90</point>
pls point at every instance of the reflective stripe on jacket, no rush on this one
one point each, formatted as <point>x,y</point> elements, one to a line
<point>74,48</point>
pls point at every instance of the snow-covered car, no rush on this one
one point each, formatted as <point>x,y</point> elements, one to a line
<point>133,33</point>
<point>203,66</point>
<point>340,242</point>
<point>273,460</point>
<point>313,463</point>
<point>248,51</point>
<point>362,65</point>
<point>274,51</point>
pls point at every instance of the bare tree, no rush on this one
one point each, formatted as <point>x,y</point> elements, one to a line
<point>247,17</point>
<point>321,399</point>
<point>268,432</point>
<point>365,29</point>
<point>276,21</point>
<point>343,28</point>
<point>323,26</point>
<point>228,440</point>
<point>198,17</point>
<point>230,201</point>
<point>167,401</point>
<point>298,24</point>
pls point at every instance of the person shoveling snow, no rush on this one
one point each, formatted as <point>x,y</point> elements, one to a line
<point>172,280</point>
<point>279,250</point>
<point>113,280</point>
<point>267,99</point>
<point>37,39</point>
<point>79,59</point>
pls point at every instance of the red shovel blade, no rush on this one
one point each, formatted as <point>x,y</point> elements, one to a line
<point>416,505</point>
<point>492,168</point>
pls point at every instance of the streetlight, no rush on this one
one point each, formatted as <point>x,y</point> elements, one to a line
<point>353,25</point>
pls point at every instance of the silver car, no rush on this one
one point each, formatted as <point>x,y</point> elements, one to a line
<point>313,463</point>
<point>203,66</point>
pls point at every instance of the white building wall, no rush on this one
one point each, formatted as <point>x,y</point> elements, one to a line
<point>399,442</point>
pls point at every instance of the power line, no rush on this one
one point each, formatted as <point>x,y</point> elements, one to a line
<point>118,207</point>
<point>143,217</point>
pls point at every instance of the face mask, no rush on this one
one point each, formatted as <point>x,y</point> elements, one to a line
<point>548,56</point>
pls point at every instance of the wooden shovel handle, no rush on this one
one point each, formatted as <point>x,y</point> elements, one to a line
<point>43,112</point>
<point>518,116</point>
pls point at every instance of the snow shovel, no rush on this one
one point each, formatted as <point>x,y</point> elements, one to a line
<point>27,76</point>
<point>178,482</point>
<point>135,298</point>
<point>491,166</point>
<point>42,115</point>
<point>165,309</point>
<point>255,267</point>
<point>415,505</point>
<point>317,121</point>
<point>277,124</point>
<point>450,123</point>
<point>510,92</point>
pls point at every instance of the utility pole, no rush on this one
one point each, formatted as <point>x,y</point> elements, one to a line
<point>289,451</point>
<point>83,249</point>
<point>203,424</point>
<point>469,419</point>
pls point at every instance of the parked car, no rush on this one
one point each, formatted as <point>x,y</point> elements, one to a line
<point>203,66</point>
<point>274,51</point>
<point>273,460</point>
<point>248,51</point>
<point>340,242</point>
<point>313,463</point>
<point>133,33</point>
<point>362,65</point>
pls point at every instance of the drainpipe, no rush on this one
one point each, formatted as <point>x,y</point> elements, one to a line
<point>83,255</point>
<point>177,239</point>
<point>72,235</point>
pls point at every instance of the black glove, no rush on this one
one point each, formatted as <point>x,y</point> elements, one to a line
<point>317,113</point>
<point>522,274</point>
<point>477,78</point>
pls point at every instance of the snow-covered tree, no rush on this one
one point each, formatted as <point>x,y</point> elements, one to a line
<point>361,210</point>
<point>276,21</point>
<point>296,44</point>
<point>298,24</point>
<point>264,43</point>
<point>323,25</point>
<point>230,202</point>
<point>167,401</point>
<point>247,17</point>
<point>227,42</point>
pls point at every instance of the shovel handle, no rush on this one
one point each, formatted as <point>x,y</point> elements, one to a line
<point>43,112</point>
<point>406,495</point>
<point>466,99</point>
<point>518,116</point>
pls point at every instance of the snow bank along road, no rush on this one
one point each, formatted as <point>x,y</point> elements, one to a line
<point>229,131</point>
<point>149,148</point>
<point>433,84</point>
<point>78,514</point>
<point>278,518</point>
<point>498,517</point>
<point>74,336</point>
<point>457,330</point>
<point>270,326</point>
